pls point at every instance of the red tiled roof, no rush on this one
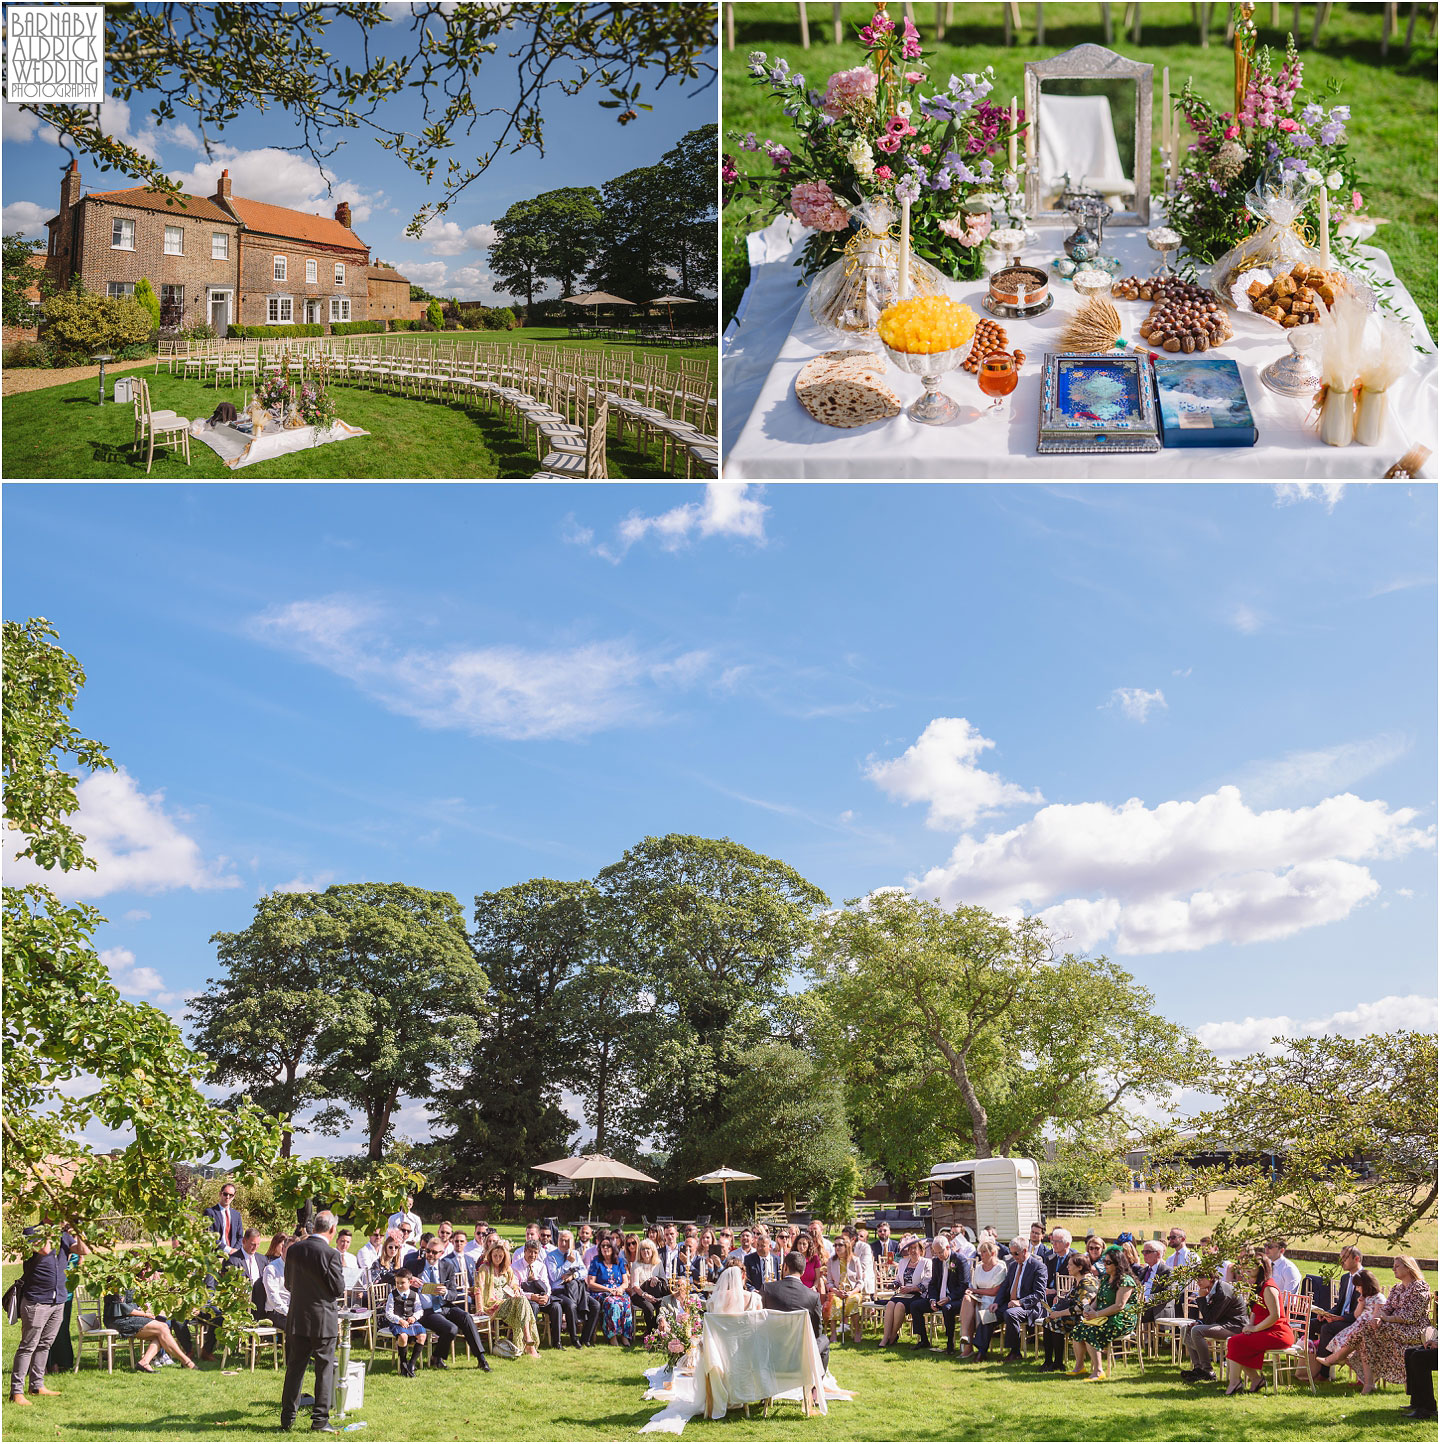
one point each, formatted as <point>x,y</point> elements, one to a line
<point>385,273</point>
<point>295,225</point>
<point>146,200</point>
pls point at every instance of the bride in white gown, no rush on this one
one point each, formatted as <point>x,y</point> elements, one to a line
<point>731,1296</point>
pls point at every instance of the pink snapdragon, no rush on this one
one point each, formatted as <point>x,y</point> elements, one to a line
<point>910,50</point>
<point>1287,124</point>
<point>914,77</point>
<point>814,204</point>
<point>873,35</point>
<point>884,173</point>
<point>849,90</point>
<point>1356,200</point>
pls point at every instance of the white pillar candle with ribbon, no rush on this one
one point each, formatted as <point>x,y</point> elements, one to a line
<point>1014,125</point>
<point>905,249</point>
<point>1166,139</point>
<point>1324,226</point>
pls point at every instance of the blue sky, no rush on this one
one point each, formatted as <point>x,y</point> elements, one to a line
<point>584,146</point>
<point>1193,725</point>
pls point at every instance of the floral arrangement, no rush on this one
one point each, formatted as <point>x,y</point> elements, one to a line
<point>879,132</point>
<point>676,1329</point>
<point>1275,124</point>
<point>317,407</point>
<point>275,393</point>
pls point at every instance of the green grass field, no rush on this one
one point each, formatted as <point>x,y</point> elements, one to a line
<point>59,431</point>
<point>1393,100</point>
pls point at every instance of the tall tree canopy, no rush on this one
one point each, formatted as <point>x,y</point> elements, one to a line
<point>979,1018</point>
<point>1353,1123</point>
<point>206,62</point>
<point>77,1056</point>
<point>552,237</point>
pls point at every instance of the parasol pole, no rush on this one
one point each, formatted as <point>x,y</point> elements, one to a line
<point>725,1190</point>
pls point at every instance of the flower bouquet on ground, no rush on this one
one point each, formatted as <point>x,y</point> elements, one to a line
<point>317,407</point>
<point>677,1329</point>
<point>876,136</point>
<point>275,392</point>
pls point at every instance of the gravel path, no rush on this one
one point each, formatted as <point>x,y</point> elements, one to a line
<point>37,378</point>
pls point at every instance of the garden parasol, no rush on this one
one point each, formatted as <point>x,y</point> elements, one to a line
<point>593,1166</point>
<point>668,302</point>
<point>597,298</point>
<point>724,1177</point>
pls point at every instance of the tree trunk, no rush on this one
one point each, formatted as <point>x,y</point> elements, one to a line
<point>509,1193</point>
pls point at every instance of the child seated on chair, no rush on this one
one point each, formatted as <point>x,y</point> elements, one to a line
<point>403,1313</point>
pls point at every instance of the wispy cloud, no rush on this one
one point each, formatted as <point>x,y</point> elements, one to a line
<point>497,690</point>
<point>1247,619</point>
<point>728,509</point>
<point>1327,493</point>
<point>1385,1015</point>
<point>1299,776</point>
<point>1136,703</point>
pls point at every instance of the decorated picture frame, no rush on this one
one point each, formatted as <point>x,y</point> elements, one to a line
<point>1098,404</point>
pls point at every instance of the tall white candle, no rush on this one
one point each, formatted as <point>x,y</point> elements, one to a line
<point>904,249</point>
<point>1324,226</point>
<point>1014,123</point>
<point>1165,140</point>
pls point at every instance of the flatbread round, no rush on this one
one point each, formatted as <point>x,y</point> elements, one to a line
<point>843,389</point>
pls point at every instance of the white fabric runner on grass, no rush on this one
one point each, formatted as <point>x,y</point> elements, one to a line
<point>239,448</point>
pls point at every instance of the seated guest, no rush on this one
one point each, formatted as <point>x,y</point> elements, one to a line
<point>1399,1324</point>
<point>789,1295</point>
<point>449,1313</point>
<point>445,1232</point>
<point>1346,1298</point>
<point>369,1251</point>
<point>1207,1246</point>
<point>980,1309</point>
<point>1368,1303</point>
<point>1221,1312</point>
<point>823,1246</point>
<point>845,1296</point>
<point>1039,1245</point>
<point>585,1242</point>
<point>1068,1308</point>
<point>962,1244</point>
<point>532,1235</point>
<point>1287,1277</point>
<point>813,1274</point>
<point>1182,1257</point>
<point>912,1278</point>
<point>415,1259</point>
<point>883,1245</point>
<point>944,1294</point>
<point>248,1257</point>
<point>1419,1365</point>
<point>277,1296</point>
<point>762,1267</point>
<point>709,1266</point>
<point>723,1245</point>
<point>1133,1262</point>
<point>121,1313</point>
<point>630,1247</point>
<point>606,1281</point>
<point>503,1300</point>
<point>645,1284</point>
<point>1094,1247</point>
<point>405,1318</point>
<point>989,1231</point>
<point>1267,1329</point>
<point>1154,1278</point>
<point>1022,1296</point>
<point>534,1276</point>
<point>567,1278</point>
<point>1114,1313</point>
<point>670,1251</point>
<point>1057,1263</point>
<point>389,1263</point>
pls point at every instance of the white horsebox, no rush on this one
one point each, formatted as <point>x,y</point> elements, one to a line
<point>979,1191</point>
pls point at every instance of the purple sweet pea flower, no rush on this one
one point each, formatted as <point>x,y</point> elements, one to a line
<point>1311,114</point>
<point>1303,141</point>
<point>987,169</point>
<point>1332,133</point>
<point>748,142</point>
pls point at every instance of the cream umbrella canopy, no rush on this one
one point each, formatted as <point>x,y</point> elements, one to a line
<point>593,1166</point>
<point>725,1177</point>
<point>668,302</point>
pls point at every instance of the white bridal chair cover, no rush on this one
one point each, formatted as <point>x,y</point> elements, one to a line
<point>1077,135</point>
<point>747,1357</point>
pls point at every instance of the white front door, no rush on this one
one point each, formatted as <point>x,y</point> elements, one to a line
<point>219,312</point>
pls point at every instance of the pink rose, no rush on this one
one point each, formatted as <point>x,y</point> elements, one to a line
<point>883,172</point>
<point>924,150</point>
<point>914,77</point>
<point>1355,200</point>
<point>813,204</point>
<point>1288,124</point>
<point>1232,132</point>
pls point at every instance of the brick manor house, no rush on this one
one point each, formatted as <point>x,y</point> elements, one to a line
<point>221,260</point>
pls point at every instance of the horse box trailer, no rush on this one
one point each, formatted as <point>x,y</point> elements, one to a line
<point>979,1191</point>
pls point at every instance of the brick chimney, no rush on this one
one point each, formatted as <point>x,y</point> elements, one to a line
<point>70,187</point>
<point>342,214</point>
<point>222,186</point>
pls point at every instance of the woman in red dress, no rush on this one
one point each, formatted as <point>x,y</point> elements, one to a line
<point>1268,1329</point>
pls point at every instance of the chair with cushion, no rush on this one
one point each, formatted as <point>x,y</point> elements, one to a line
<point>157,428</point>
<point>1297,1309</point>
<point>93,1331</point>
<point>567,465</point>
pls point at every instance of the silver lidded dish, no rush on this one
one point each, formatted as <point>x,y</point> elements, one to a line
<point>933,407</point>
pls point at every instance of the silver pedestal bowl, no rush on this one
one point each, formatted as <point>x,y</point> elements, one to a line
<point>933,407</point>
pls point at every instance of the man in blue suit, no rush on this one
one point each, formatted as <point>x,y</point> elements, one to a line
<point>1022,1295</point>
<point>949,1279</point>
<point>764,1265</point>
<point>225,1219</point>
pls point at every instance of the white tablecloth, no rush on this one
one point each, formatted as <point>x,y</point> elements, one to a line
<point>239,448</point>
<point>767,434</point>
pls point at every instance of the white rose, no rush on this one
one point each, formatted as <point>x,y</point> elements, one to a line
<point>1334,180</point>
<point>1314,177</point>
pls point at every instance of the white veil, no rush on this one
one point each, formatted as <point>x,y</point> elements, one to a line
<point>729,1295</point>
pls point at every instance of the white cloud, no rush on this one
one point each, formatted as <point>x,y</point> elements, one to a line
<point>1247,619</point>
<point>729,508</point>
<point>430,274</point>
<point>137,846</point>
<point>20,125</point>
<point>472,283</point>
<point>940,769</point>
<point>1287,493</point>
<point>1404,892</point>
<point>446,238</point>
<point>136,915</point>
<point>1136,703</point>
<point>27,218</point>
<point>278,178</point>
<point>1301,775</point>
<point>1182,875</point>
<point>137,982</point>
<point>1386,1015</point>
<point>498,690</point>
<point>317,883</point>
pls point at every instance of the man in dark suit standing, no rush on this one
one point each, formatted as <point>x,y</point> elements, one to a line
<point>1022,1295</point>
<point>790,1296</point>
<point>763,1267</point>
<point>1346,1297</point>
<point>224,1218</point>
<point>944,1293</point>
<point>1221,1313</point>
<point>315,1277</point>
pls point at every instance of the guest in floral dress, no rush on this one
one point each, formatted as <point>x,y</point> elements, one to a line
<point>1397,1326</point>
<point>1112,1315</point>
<point>607,1283</point>
<point>1068,1309</point>
<point>1348,1339</point>
<point>500,1295</point>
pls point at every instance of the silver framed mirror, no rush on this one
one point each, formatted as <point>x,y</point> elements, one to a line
<point>1092,111</point>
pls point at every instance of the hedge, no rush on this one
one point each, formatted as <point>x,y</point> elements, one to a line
<point>355,328</point>
<point>275,333</point>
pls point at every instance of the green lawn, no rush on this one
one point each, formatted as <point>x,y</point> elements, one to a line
<point>1393,100</point>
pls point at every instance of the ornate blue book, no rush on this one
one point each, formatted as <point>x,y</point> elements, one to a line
<point>1203,402</point>
<point>1094,404</point>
